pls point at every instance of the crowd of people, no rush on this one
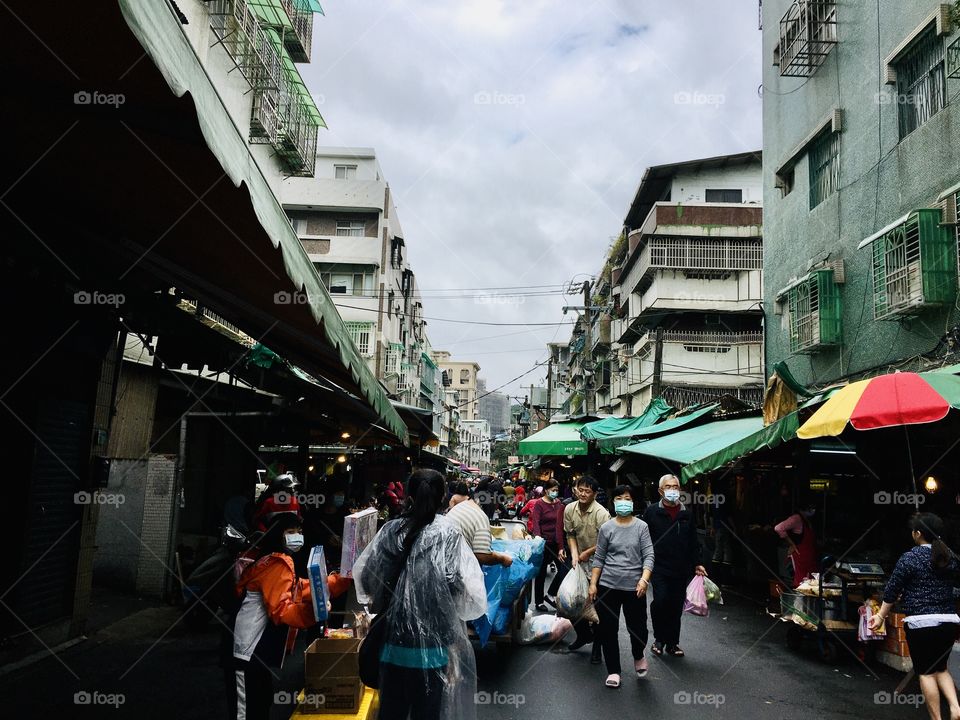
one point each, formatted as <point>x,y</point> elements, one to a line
<point>423,572</point>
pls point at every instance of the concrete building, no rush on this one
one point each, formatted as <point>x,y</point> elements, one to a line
<point>348,225</point>
<point>494,407</point>
<point>690,282</point>
<point>860,184</point>
<point>462,377</point>
<point>475,444</point>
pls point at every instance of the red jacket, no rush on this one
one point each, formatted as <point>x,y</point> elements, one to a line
<point>544,511</point>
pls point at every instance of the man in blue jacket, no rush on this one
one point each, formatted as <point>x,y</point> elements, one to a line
<point>677,549</point>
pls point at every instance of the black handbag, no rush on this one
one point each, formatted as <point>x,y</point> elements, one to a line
<point>371,647</point>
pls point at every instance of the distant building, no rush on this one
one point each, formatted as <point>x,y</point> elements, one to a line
<point>494,408</point>
<point>462,377</point>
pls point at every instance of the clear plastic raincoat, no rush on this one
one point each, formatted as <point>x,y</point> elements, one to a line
<point>439,589</point>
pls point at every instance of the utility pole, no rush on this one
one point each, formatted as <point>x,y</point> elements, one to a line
<point>657,387</point>
<point>587,351</point>
<point>549,383</point>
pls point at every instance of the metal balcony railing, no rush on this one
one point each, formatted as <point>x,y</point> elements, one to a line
<point>696,337</point>
<point>808,31</point>
<point>298,41</point>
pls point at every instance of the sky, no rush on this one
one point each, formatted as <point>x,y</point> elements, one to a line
<point>513,135</point>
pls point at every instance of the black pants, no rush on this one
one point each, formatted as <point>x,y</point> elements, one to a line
<point>549,555</point>
<point>410,692</point>
<point>609,602</point>
<point>666,609</point>
<point>254,686</point>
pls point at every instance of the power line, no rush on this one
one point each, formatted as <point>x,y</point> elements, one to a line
<point>450,320</point>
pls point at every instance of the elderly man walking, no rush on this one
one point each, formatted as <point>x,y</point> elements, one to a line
<point>678,552</point>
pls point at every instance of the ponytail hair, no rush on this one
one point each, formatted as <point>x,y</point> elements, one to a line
<point>425,495</point>
<point>930,527</point>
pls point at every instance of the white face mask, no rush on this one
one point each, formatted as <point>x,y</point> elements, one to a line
<point>293,542</point>
<point>671,495</point>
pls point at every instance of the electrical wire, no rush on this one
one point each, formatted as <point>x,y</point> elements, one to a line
<point>450,320</point>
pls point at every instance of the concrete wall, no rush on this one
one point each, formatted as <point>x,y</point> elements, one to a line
<point>881,178</point>
<point>690,186</point>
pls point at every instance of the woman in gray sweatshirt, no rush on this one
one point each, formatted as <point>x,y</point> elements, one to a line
<point>622,565</point>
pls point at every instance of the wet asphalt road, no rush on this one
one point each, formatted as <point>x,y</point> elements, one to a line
<point>737,665</point>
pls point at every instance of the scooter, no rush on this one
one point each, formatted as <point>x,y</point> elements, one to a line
<point>210,587</point>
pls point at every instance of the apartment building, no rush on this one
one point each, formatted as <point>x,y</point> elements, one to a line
<point>861,181</point>
<point>462,377</point>
<point>685,317</point>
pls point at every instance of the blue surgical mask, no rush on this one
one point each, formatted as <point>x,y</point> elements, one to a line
<point>623,507</point>
<point>553,494</point>
<point>293,542</point>
<point>671,495</point>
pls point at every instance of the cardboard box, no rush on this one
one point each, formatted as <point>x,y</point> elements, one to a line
<point>328,658</point>
<point>358,531</point>
<point>319,591</point>
<point>334,695</point>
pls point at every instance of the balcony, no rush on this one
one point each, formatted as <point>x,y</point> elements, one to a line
<point>600,331</point>
<point>298,34</point>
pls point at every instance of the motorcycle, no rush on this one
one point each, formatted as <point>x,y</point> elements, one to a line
<point>209,588</point>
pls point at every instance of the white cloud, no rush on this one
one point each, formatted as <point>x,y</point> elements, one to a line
<point>529,187</point>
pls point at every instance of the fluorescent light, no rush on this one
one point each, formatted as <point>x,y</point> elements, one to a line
<point>826,451</point>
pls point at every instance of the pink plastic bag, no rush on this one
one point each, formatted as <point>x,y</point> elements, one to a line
<point>696,602</point>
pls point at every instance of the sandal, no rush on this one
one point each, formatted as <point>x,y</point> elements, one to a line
<point>657,648</point>
<point>675,651</point>
<point>613,681</point>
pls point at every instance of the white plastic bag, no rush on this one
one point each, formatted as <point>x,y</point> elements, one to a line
<point>543,628</point>
<point>573,599</point>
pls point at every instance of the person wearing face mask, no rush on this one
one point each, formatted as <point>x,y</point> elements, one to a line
<point>274,604</point>
<point>546,521</point>
<point>674,534</point>
<point>620,576</point>
<point>801,540</point>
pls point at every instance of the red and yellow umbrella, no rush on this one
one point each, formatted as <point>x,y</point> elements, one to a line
<point>901,398</point>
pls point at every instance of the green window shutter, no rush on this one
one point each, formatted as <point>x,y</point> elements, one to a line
<point>815,312</point>
<point>914,266</point>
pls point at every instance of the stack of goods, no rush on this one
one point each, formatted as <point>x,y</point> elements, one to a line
<point>358,531</point>
<point>504,585</point>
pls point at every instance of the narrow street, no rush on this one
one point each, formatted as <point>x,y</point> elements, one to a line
<point>737,666</point>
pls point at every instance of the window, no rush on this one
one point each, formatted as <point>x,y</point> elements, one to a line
<point>921,81</point>
<point>824,162</point>
<point>345,172</point>
<point>361,333</point>
<point>808,31</point>
<point>914,265</point>
<point>464,377</point>
<point>724,196</point>
<point>346,279</point>
<point>814,312</point>
<point>350,228</point>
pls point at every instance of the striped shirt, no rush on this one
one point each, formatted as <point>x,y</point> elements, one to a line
<point>473,524</point>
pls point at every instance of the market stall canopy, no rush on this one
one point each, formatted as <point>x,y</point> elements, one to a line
<point>694,445</point>
<point>900,398</point>
<point>612,432</point>
<point>555,439</point>
<point>668,426</point>
<point>180,200</point>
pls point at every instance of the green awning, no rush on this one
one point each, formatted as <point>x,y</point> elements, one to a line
<point>771,436</point>
<point>698,443</point>
<point>296,81</point>
<point>610,433</point>
<point>309,6</point>
<point>555,439</point>
<point>162,37</point>
<point>271,13</point>
<point>669,426</point>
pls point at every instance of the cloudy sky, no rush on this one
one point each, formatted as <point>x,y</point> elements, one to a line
<point>514,133</point>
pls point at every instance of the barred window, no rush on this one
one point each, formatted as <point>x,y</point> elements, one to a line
<point>824,161</point>
<point>361,333</point>
<point>921,81</point>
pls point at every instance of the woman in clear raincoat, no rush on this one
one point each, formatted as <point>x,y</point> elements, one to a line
<point>427,668</point>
